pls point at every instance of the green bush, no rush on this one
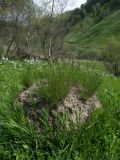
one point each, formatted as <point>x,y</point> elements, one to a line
<point>89,53</point>
<point>112,56</point>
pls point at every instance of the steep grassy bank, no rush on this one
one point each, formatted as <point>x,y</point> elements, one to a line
<point>96,38</point>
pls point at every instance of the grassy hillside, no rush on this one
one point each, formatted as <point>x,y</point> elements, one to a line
<point>98,35</point>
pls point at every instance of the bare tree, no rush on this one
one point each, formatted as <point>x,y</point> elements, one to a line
<point>17,17</point>
<point>32,28</point>
<point>50,28</point>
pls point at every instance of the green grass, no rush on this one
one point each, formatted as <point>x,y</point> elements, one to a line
<point>98,139</point>
<point>62,77</point>
<point>98,35</point>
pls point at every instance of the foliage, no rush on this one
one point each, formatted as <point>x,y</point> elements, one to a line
<point>89,53</point>
<point>92,8</point>
<point>91,44</point>
<point>112,56</point>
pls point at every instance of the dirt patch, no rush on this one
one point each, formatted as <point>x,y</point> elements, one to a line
<point>77,109</point>
<point>73,106</point>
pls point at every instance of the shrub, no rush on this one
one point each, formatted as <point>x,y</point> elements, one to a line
<point>112,57</point>
<point>90,53</point>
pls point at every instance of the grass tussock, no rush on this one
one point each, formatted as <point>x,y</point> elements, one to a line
<point>97,139</point>
<point>60,78</point>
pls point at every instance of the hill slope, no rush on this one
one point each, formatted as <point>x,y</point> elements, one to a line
<point>98,35</point>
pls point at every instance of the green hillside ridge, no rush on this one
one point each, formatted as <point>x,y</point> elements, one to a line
<point>98,35</point>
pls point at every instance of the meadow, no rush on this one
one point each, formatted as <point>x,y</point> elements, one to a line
<point>98,138</point>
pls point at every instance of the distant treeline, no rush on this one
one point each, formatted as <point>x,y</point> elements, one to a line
<point>95,8</point>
